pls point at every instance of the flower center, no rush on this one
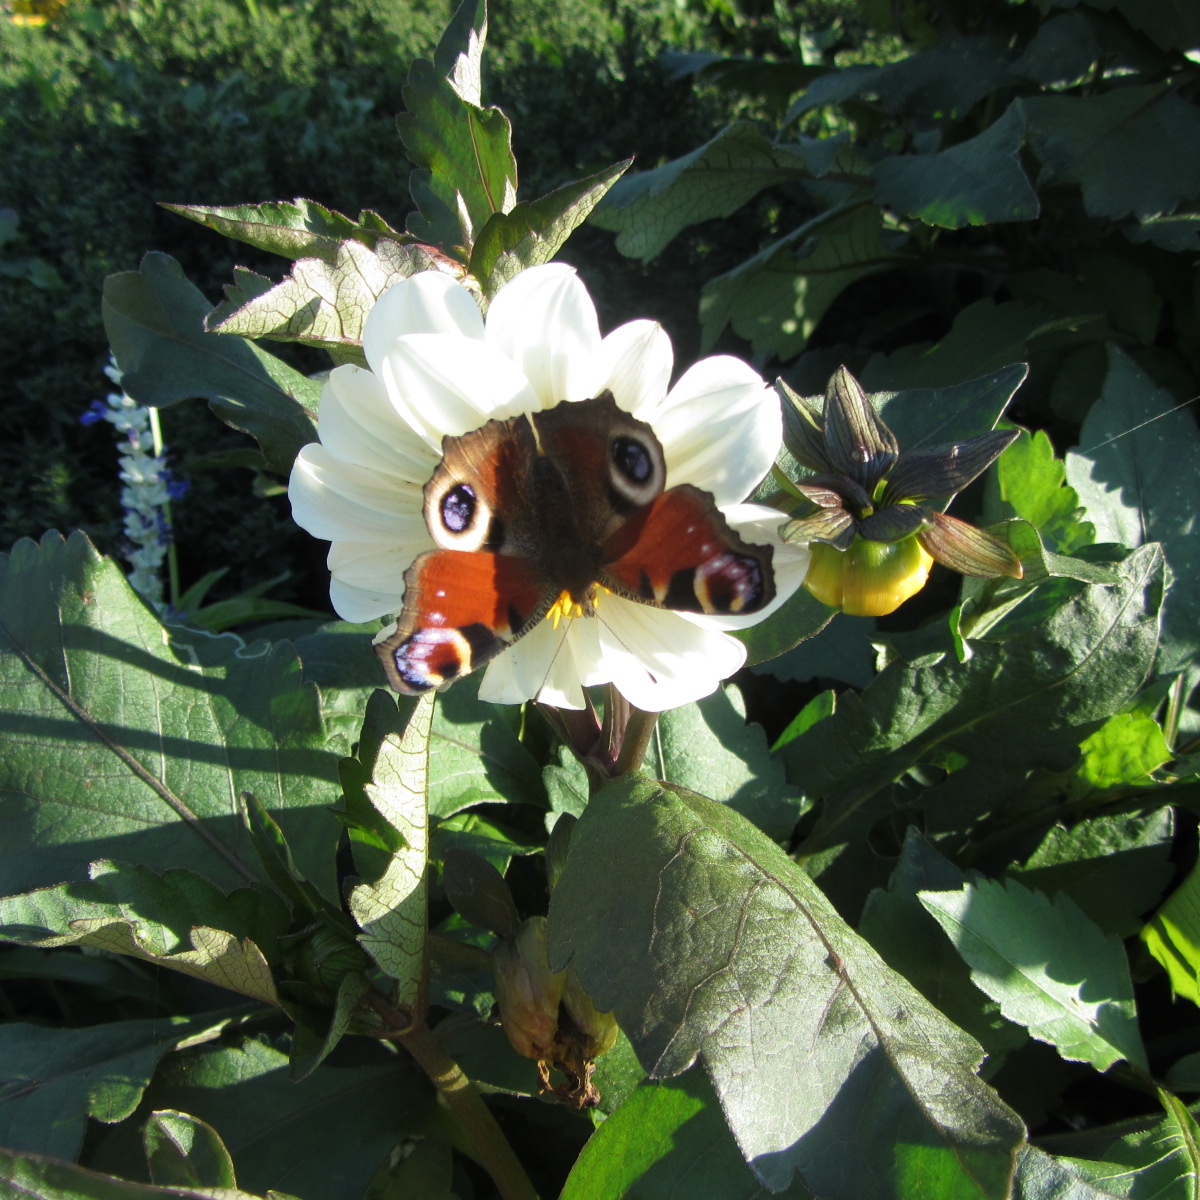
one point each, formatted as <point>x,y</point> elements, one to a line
<point>565,606</point>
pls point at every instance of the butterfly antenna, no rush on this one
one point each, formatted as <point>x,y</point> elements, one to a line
<point>1140,425</point>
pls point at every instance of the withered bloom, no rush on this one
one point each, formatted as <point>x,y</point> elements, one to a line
<point>874,538</point>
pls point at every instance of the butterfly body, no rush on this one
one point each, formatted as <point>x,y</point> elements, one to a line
<point>553,506</point>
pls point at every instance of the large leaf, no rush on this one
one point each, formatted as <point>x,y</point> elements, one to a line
<point>776,298</point>
<point>119,745</point>
<point>322,302</point>
<point>279,1132</point>
<point>717,947</point>
<point>977,182</point>
<point>1172,935</point>
<point>295,228</point>
<point>463,153</point>
<point>533,233</point>
<point>1138,476</point>
<point>1023,699</point>
<point>709,745</point>
<point>1129,148</point>
<point>177,920</point>
<point>391,908</point>
<point>648,209</point>
<point>1049,967</point>
<point>53,1080</point>
<point>154,318</point>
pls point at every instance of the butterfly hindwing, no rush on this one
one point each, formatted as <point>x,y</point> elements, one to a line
<point>679,552</point>
<point>461,609</point>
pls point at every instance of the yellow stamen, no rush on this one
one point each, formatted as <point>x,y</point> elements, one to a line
<point>565,607</point>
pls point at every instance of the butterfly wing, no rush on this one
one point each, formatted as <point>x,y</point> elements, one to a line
<point>679,552</point>
<point>461,609</point>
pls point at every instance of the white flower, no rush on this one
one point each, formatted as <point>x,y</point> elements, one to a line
<point>437,368</point>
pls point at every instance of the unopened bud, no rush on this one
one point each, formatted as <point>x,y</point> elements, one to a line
<point>527,991</point>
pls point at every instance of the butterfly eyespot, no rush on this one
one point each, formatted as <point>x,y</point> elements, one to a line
<point>458,508</point>
<point>632,459</point>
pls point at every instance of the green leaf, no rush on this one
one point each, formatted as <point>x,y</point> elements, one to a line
<point>710,745</point>
<point>775,299</point>
<point>1138,478</point>
<point>322,303</point>
<point>476,756</point>
<point>719,947</point>
<point>45,1179</point>
<point>1051,969</point>
<point>182,1151</point>
<point>120,745</point>
<point>391,909</point>
<point>1023,699</point>
<point>1041,1176</point>
<point>1128,148</point>
<point>666,1138</point>
<point>904,934</point>
<point>801,617</point>
<point>293,229</point>
<point>463,153</point>
<point>154,319</point>
<point>1172,935</point>
<point>977,182</point>
<point>1113,866</point>
<point>1033,483</point>
<point>533,233</point>
<point>274,1126</point>
<point>52,1080</point>
<point>1124,750</point>
<point>648,209</point>
<point>177,920</point>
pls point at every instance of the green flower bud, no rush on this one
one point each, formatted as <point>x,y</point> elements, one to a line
<point>597,1030</point>
<point>870,579</point>
<point>527,991</point>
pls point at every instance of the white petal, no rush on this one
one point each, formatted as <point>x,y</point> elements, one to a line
<point>361,604</point>
<point>658,661</point>
<point>430,302</point>
<point>341,502</point>
<point>541,664</point>
<point>637,362</point>
<point>720,428</point>
<point>545,322</point>
<point>378,568</point>
<point>450,385</point>
<point>358,425</point>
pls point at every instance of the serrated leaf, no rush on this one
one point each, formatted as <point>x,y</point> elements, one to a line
<point>463,153</point>
<point>476,756</point>
<point>1138,476</point>
<point>1041,1176</point>
<point>294,229</point>
<point>182,1151</point>
<point>163,920</point>
<point>35,1178</point>
<point>775,299</point>
<point>1049,967</point>
<point>53,1080</point>
<point>154,318</point>
<point>1019,701</point>
<point>1113,866</point>
<point>719,947</point>
<point>532,233</point>
<point>710,745</point>
<point>324,303</point>
<point>1033,482</point>
<point>1128,148</point>
<point>122,745</point>
<point>976,182</point>
<point>1172,935</point>
<point>648,209</point>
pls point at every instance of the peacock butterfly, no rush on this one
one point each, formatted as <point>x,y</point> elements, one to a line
<point>555,504</point>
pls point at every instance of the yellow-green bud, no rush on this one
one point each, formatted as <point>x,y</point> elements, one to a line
<point>870,579</point>
<point>597,1030</point>
<point>527,991</point>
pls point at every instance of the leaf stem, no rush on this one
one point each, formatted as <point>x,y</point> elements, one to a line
<point>638,732</point>
<point>464,1101</point>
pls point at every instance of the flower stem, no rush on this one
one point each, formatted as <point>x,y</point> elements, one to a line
<point>638,731</point>
<point>172,557</point>
<point>461,1097</point>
